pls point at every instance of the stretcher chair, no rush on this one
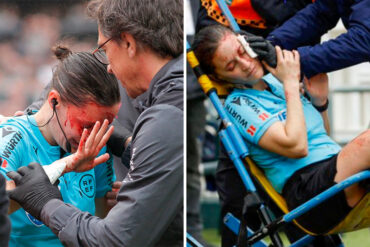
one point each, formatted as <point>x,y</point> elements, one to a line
<point>358,218</point>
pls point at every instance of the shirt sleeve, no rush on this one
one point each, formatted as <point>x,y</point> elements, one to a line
<point>11,145</point>
<point>348,49</point>
<point>104,175</point>
<point>308,24</point>
<point>151,195</point>
<point>251,119</point>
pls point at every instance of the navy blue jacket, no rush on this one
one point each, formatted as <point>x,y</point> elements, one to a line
<point>315,20</point>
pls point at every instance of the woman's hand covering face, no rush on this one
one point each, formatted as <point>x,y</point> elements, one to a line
<point>89,147</point>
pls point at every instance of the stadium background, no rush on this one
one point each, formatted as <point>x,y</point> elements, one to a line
<point>28,30</point>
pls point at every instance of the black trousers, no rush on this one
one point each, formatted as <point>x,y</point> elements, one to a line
<point>232,191</point>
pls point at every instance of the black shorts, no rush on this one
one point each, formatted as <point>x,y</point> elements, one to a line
<point>309,182</point>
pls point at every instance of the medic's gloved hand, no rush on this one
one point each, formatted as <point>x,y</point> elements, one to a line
<point>33,189</point>
<point>116,142</point>
<point>262,47</point>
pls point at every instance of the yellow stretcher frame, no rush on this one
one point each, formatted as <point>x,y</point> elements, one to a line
<point>359,216</point>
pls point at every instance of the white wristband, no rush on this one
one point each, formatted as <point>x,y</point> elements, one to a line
<point>55,170</point>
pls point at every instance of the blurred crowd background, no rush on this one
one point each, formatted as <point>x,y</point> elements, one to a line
<point>28,31</point>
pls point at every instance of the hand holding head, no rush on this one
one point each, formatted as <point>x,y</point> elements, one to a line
<point>288,66</point>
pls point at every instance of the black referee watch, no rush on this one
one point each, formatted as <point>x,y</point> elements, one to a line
<point>322,108</point>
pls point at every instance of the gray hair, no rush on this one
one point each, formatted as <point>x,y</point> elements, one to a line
<point>156,24</point>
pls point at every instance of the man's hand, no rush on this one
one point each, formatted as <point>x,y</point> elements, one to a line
<point>33,188</point>
<point>90,145</point>
<point>318,88</point>
<point>262,47</point>
<point>111,196</point>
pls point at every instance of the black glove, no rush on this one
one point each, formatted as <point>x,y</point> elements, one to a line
<point>116,142</point>
<point>33,189</point>
<point>262,47</point>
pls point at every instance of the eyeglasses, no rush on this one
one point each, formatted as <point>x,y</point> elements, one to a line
<point>99,53</point>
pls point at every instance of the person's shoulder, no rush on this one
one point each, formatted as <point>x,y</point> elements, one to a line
<point>240,97</point>
<point>13,135</point>
<point>172,71</point>
<point>16,127</point>
<point>167,86</point>
<point>160,114</point>
<point>160,121</point>
<point>157,140</point>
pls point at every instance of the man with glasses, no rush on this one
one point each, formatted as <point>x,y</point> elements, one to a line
<point>141,42</point>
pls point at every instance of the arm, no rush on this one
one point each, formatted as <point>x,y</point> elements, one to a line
<point>84,159</point>
<point>151,195</point>
<point>11,160</point>
<point>318,89</point>
<point>325,118</point>
<point>289,139</point>
<point>348,49</point>
<point>307,25</point>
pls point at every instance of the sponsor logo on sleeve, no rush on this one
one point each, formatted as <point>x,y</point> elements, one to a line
<point>251,130</point>
<point>6,131</point>
<point>237,116</point>
<point>12,143</point>
<point>252,105</point>
<point>240,100</point>
<point>236,101</point>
